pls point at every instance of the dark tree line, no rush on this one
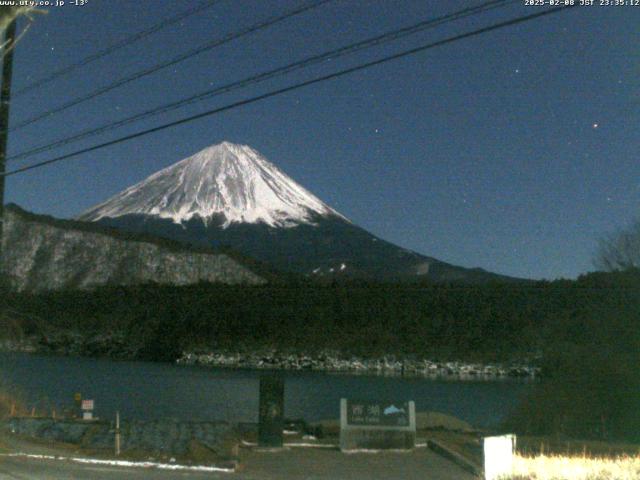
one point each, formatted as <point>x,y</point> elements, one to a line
<point>485,322</point>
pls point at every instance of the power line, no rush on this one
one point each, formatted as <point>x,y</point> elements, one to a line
<point>296,86</point>
<point>125,42</point>
<point>173,61</point>
<point>347,50</point>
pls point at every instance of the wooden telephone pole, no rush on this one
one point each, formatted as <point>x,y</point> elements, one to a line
<point>5,99</point>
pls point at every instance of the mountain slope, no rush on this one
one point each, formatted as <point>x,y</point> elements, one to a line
<point>230,195</point>
<point>41,253</point>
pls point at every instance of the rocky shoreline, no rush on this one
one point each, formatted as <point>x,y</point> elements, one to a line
<point>327,361</point>
<point>386,365</point>
<point>21,346</point>
<point>74,344</point>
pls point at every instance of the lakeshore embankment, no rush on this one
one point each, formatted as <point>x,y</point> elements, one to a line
<point>384,365</point>
<point>271,359</point>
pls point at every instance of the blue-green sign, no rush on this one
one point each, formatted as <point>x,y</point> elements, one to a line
<point>391,414</point>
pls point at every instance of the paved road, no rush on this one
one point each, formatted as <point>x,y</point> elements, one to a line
<point>294,464</point>
<point>33,469</point>
<point>314,464</point>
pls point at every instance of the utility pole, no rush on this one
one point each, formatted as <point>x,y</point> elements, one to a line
<point>5,99</point>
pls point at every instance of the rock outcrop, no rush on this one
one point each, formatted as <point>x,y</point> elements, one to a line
<point>42,253</point>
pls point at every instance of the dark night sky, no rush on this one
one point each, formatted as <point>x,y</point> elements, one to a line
<point>513,151</point>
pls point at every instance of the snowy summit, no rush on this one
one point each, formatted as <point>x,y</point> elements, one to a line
<point>226,180</point>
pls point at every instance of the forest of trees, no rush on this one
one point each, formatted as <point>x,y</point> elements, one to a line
<point>470,322</point>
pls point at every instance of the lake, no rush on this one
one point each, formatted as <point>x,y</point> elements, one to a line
<point>146,390</point>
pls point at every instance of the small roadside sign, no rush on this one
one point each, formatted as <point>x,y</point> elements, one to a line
<point>87,409</point>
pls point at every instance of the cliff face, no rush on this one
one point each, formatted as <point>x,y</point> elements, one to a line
<point>41,253</point>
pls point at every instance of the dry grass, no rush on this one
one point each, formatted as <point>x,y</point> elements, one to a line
<point>531,446</point>
<point>11,404</point>
<point>558,467</point>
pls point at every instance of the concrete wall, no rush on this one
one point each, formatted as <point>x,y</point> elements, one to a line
<point>170,437</point>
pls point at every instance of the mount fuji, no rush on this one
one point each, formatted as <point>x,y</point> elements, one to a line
<point>230,195</point>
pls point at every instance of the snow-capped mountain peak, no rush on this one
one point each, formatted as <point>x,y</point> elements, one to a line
<point>226,180</point>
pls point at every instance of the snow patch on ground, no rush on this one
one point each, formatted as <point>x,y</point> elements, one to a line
<point>123,463</point>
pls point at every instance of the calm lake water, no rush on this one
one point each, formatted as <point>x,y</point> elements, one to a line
<point>144,390</point>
